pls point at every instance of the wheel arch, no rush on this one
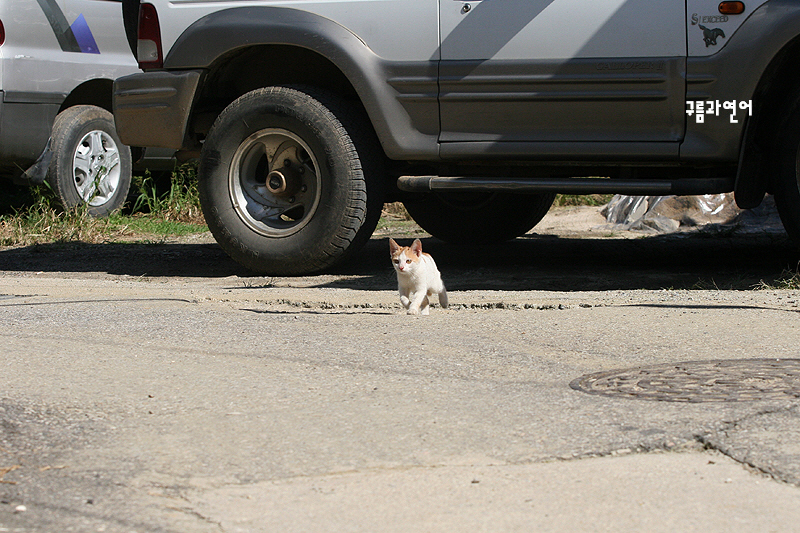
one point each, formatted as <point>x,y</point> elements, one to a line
<point>96,92</point>
<point>245,69</point>
<point>246,48</point>
<point>773,36</point>
<point>777,93</point>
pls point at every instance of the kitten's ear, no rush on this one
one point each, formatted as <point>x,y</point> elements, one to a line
<point>416,247</point>
<point>393,246</point>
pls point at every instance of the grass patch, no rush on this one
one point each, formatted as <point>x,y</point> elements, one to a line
<point>161,208</point>
<point>173,199</point>
<point>43,223</point>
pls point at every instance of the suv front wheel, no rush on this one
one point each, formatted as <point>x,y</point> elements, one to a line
<point>289,180</point>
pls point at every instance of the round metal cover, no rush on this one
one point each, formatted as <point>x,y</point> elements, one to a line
<point>736,380</point>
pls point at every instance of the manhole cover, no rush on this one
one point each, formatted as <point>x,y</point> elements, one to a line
<point>737,380</point>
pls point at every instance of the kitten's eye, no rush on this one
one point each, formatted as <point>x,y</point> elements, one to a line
<point>408,260</point>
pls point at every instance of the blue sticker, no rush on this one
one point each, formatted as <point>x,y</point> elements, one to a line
<point>75,38</point>
<point>84,36</point>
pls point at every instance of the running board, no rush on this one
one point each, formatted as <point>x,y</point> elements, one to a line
<point>680,187</point>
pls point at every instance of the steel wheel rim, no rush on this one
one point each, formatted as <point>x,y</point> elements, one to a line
<point>274,182</point>
<point>96,168</point>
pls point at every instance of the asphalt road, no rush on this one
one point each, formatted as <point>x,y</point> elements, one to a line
<point>160,388</point>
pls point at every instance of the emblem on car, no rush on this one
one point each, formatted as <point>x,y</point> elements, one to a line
<point>710,35</point>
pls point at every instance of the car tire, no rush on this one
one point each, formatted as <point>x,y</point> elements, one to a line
<point>480,217</point>
<point>290,180</point>
<point>90,165</point>
<point>787,174</point>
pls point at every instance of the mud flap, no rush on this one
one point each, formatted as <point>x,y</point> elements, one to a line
<point>37,173</point>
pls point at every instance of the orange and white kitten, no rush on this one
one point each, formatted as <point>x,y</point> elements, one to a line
<point>417,277</point>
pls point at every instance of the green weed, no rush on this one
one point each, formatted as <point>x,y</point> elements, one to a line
<point>45,221</point>
<point>178,200</point>
<point>170,208</point>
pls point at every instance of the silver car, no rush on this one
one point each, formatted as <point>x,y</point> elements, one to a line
<point>58,60</point>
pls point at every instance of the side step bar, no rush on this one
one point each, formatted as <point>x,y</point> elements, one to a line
<point>568,185</point>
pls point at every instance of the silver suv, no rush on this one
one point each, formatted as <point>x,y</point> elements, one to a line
<point>308,115</point>
<point>58,60</point>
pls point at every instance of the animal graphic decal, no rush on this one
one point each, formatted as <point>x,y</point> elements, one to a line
<point>710,35</point>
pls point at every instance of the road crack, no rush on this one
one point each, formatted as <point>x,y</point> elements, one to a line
<point>756,439</point>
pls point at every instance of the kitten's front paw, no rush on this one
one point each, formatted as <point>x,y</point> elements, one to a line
<point>413,311</point>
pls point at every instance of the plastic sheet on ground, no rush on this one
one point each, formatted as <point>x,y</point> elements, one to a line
<point>668,214</point>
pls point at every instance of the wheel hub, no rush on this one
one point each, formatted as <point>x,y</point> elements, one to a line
<point>95,168</point>
<point>274,182</point>
<point>286,181</point>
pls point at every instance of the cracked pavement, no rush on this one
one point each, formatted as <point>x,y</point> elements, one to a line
<point>160,388</point>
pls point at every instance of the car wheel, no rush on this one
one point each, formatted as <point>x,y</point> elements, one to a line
<point>464,217</point>
<point>289,180</point>
<point>787,176</point>
<point>90,165</point>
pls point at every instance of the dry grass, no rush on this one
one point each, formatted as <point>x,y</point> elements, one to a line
<point>43,222</point>
<point>158,211</point>
<point>569,200</point>
<point>395,211</point>
<point>788,280</point>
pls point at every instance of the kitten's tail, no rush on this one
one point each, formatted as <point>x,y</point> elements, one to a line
<point>443,301</point>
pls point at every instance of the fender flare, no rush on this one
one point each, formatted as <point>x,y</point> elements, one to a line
<point>380,84</point>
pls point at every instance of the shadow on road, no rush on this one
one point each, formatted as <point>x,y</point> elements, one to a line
<point>533,262</point>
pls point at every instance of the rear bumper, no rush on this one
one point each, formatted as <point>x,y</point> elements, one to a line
<point>152,109</point>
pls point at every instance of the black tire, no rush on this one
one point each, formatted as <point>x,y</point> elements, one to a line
<point>90,164</point>
<point>290,180</point>
<point>465,217</point>
<point>787,175</point>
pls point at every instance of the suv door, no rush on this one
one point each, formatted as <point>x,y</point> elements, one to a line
<point>59,44</point>
<point>562,70</point>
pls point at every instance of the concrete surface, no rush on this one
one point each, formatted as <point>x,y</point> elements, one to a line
<point>195,397</point>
